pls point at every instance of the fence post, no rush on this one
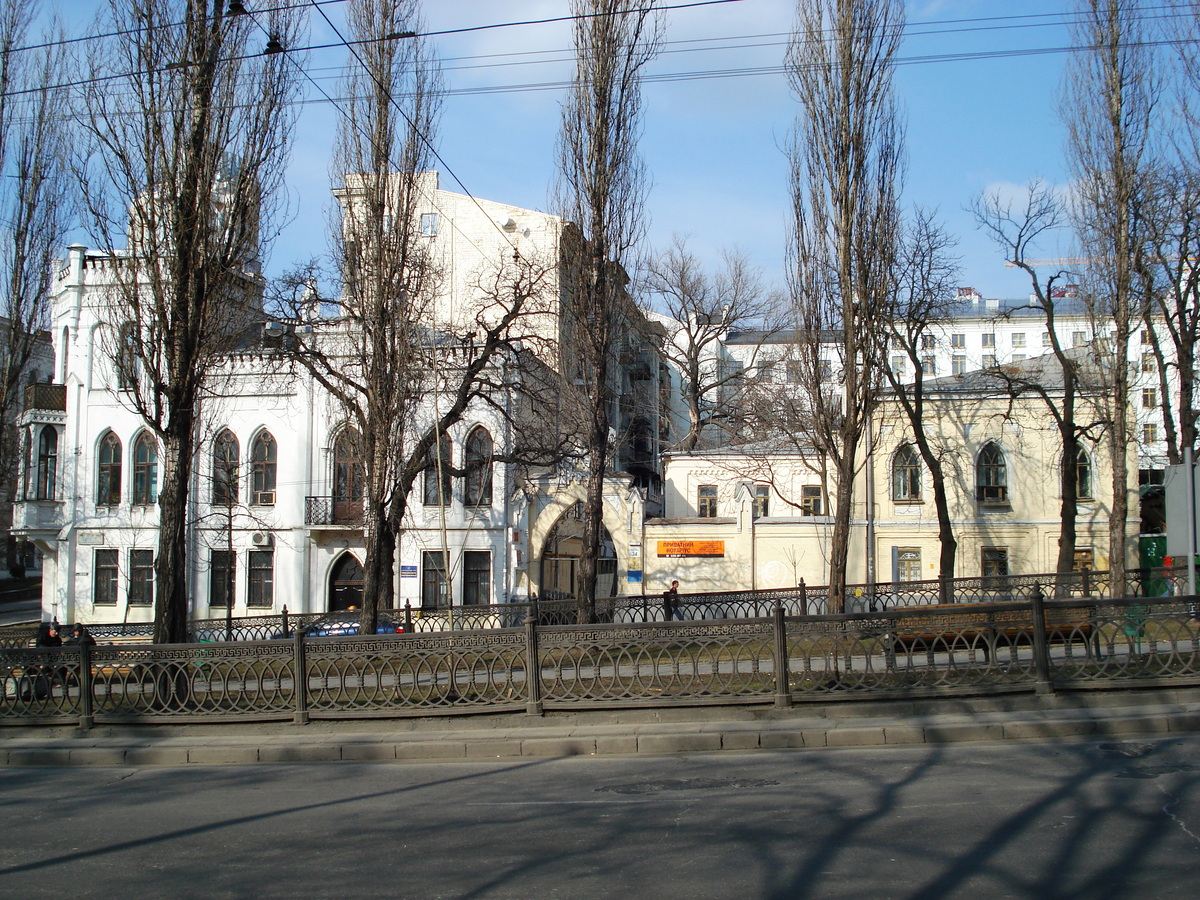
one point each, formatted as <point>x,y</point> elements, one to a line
<point>284,623</point>
<point>1087,583</point>
<point>408,629</point>
<point>1041,652</point>
<point>533,671</point>
<point>803,598</point>
<point>300,679</point>
<point>87,717</point>
<point>783,694</point>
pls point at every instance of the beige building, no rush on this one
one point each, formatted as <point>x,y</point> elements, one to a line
<point>756,519</point>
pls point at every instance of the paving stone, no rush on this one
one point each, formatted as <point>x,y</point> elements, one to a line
<point>854,737</point>
<point>678,743</point>
<point>1134,724</point>
<point>1049,728</point>
<point>368,752</point>
<point>777,739</point>
<point>300,753</point>
<point>39,756</point>
<point>156,756</point>
<point>554,747</point>
<point>98,756</point>
<point>447,749</point>
<point>223,756</point>
<point>963,731</point>
<point>739,740</point>
<point>484,749</point>
<point>904,734</point>
<point>616,745</point>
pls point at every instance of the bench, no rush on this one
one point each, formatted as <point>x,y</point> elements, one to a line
<point>979,626</point>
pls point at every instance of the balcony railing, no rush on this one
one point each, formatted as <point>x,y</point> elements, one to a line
<point>51,397</point>
<point>333,511</point>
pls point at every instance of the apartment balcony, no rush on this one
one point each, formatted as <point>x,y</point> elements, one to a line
<point>45,404</point>
<point>37,519</point>
<point>332,512</point>
<point>46,397</point>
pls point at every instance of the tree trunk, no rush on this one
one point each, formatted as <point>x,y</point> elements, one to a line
<point>171,567</point>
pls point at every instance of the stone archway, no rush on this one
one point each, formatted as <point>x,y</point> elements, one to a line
<point>548,538</point>
<point>345,583</point>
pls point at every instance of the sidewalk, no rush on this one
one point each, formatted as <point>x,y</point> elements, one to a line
<point>1076,716</point>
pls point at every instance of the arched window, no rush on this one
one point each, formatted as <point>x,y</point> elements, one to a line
<point>1083,475</point>
<point>348,477</point>
<point>226,462</point>
<point>437,491</point>
<point>108,480</point>
<point>991,475</point>
<point>145,470</point>
<point>263,458</point>
<point>477,487</point>
<point>47,464</point>
<point>906,474</point>
<point>348,467</point>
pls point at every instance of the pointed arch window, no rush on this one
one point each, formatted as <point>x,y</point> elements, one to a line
<point>108,480</point>
<point>348,477</point>
<point>226,463</point>
<point>263,460</point>
<point>437,491</point>
<point>145,470</point>
<point>991,475</point>
<point>47,464</point>
<point>477,489</point>
<point>906,475</point>
<point>348,467</point>
<point>1083,475</point>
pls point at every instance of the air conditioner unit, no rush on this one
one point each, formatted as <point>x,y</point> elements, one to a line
<point>262,539</point>
<point>264,498</point>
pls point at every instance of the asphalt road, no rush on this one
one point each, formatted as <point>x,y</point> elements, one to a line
<point>1102,820</point>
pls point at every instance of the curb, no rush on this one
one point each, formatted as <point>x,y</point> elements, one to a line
<point>802,732</point>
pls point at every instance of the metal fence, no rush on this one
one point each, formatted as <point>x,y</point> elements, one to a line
<point>782,659</point>
<point>801,600</point>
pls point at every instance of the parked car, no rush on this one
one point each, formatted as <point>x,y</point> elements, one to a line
<point>346,623</point>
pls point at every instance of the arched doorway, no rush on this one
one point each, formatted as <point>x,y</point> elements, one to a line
<point>345,584</point>
<point>560,558</point>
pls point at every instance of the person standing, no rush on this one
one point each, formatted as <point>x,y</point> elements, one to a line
<point>671,602</point>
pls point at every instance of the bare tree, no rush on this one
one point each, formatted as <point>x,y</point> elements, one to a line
<point>33,209</point>
<point>600,191</point>
<point>1016,232</point>
<point>187,126</point>
<point>926,276</point>
<point>401,378</point>
<point>1172,315</point>
<point>846,171</point>
<point>1109,99</point>
<point>1171,318</point>
<point>704,308</point>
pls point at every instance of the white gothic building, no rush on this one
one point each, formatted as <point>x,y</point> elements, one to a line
<point>274,512</point>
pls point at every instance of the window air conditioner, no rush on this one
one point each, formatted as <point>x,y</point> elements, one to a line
<point>262,539</point>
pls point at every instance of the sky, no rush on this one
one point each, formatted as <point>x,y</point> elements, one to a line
<point>714,145</point>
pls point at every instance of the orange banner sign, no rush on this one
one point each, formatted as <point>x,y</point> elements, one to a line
<point>691,548</point>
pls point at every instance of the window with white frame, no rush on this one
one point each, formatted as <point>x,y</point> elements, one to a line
<point>141,577</point>
<point>991,475</point>
<point>906,475</point>
<point>261,587</point>
<point>104,578</point>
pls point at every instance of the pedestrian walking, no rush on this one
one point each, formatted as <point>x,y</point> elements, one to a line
<point>671,602</point>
